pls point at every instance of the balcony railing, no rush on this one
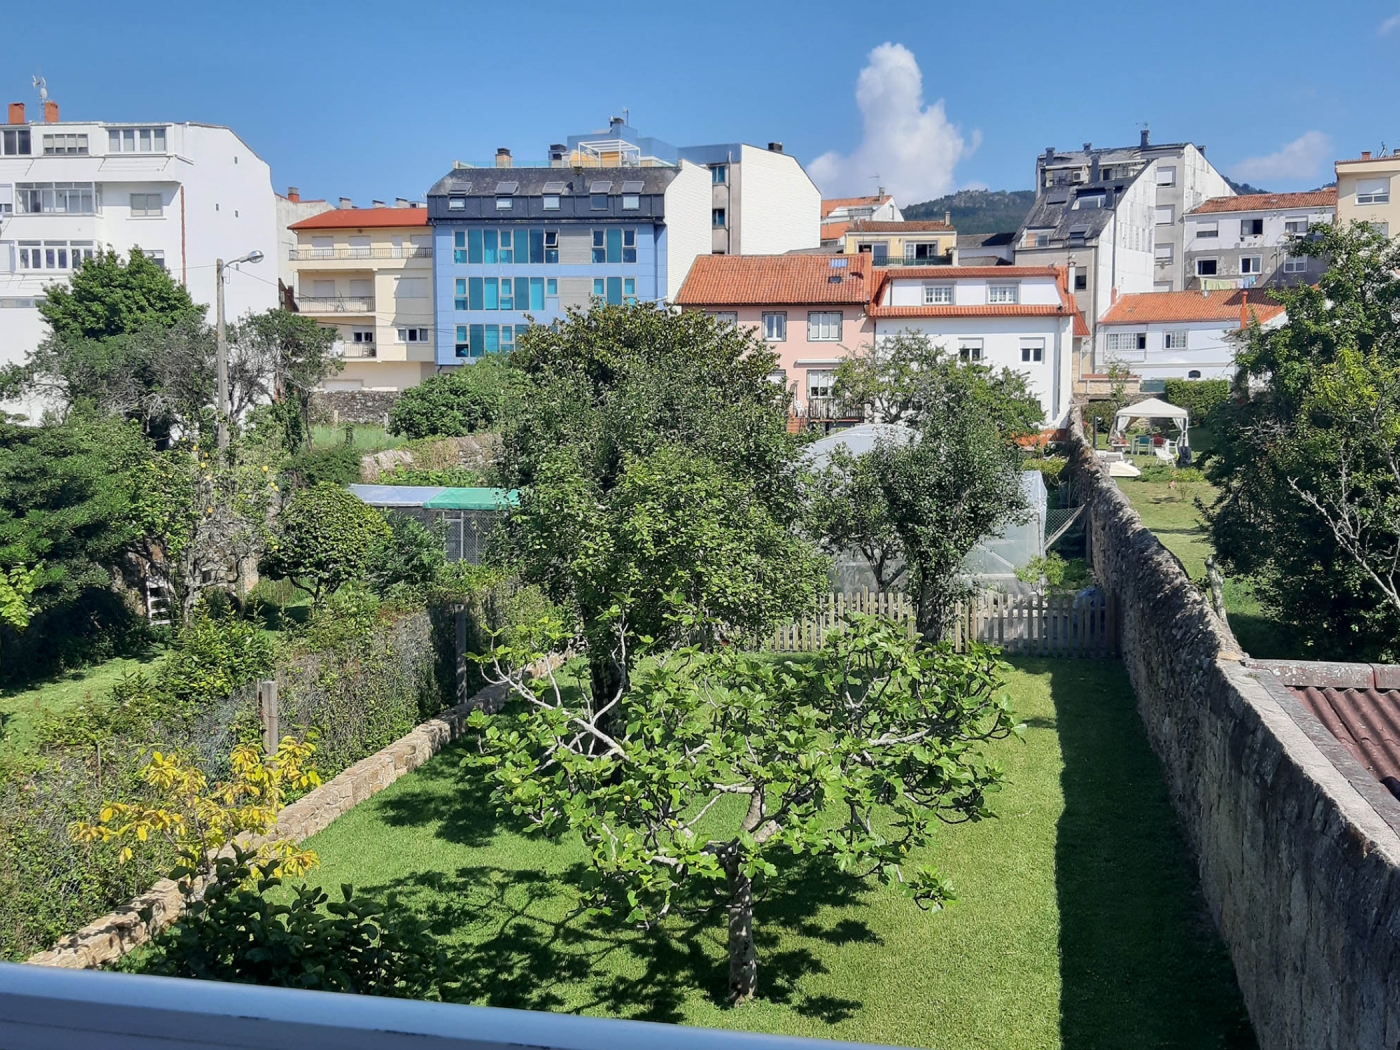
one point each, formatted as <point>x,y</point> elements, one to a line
<point>335,304</point>
<point>353,350</point>
<point>416,251</point>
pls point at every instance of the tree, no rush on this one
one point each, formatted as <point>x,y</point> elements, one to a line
<point>850,513</point>
<point>324,537</point>
<point>462,400</point>
<point>607,392</point>
<point>728,766</point>
<point>1307,457</point>
<point>107,297</point>
<point>279,357</point>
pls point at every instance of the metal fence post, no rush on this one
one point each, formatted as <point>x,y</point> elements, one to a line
<point>267,713</point>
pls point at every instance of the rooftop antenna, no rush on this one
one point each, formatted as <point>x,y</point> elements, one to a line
<point>43,86</point>
<point>626,116</point>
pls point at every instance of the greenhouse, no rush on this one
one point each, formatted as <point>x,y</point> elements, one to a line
<point>467,517</point>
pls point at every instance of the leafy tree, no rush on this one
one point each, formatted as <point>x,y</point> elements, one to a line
<point>462,400</point>
<point>412,556</point>
<point>279,357</point>
<point>1200,397</point>
<point>908,377</point>
<point>324,537</point>
<point>608,391</point>
<point>16,589</point>
<point>850,513</point>
<point>108,297</point>
<point>1308,453</point>
<point>727,767</point>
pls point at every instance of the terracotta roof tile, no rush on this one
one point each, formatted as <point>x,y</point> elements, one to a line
<point>750,280</point>
<point>918,226</point>
<point>363,219</point>
<point>829,206</point>
<point>1268,202</point>
<point>1224,305</point>
<point>834,231</point>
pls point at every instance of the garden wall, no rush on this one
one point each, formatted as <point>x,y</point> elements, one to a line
<point>1301,874</point>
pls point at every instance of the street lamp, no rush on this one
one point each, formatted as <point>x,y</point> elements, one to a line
<point>221,406</point>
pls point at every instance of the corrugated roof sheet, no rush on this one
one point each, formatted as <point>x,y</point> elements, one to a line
<point>1365,721</point>
<point>739,280</point>
<point>829,206</point>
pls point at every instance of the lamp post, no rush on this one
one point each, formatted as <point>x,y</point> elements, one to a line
<point>221,405</point>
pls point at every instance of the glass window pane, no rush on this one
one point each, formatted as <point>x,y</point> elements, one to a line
<point>488,244</point>
<point>493,339</point>
<point>522,293</point>
<point>145,140</point>
<point>129,140</point>
<point>492,300</point>
<point>519,331</point>
<point>551,286</point>
<point>615,290</point>
<point>473,246</point>
<point>159,135</point>
<point>478,339</point>
<point>614,245</point>
<point>536,291</point>
<point>507,338</point>
<point>537,246</point>
<point>114,141</point>
<point>507,297</point>
<point>459,239</point>
<point>476,294</point>
<point>600,287</point>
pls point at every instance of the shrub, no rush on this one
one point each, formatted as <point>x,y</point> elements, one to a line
<point>324,537</point>
<point>448,477</point>
<point>1200,397</point>
<point>213,655</point>
<point>459,401</point>
<point>339,465</point>
<point>1050,470</point>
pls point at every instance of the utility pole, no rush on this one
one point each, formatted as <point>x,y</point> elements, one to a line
<point>220,356</point>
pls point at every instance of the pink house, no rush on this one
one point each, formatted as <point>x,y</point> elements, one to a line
<point>810,309</point>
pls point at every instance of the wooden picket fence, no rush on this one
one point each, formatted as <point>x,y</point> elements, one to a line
<point>1068,625</point>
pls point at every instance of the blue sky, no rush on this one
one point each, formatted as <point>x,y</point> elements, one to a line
<point>376,100</point>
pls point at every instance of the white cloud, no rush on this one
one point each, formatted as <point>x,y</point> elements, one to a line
<point>1390,25</point>
<point>1300,160</point>
<point>910,146</point>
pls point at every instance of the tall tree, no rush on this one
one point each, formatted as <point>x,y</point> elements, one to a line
<point>107,297</point>
<point>280,358</point>
<point>1307,457</point>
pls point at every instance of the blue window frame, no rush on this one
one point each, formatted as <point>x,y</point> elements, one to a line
<point>600,251</point>
<point>463,346</point>
<point>477,342</point>
<point>475,294</point>
<point>519,331</point>
<point>600,287</point>
<point>460,289</point>
<point>629,246</point>
<point>493,339</point>
<point>522,293</point>
<point>536,293</point>
<point>507,295</point>
<point>615,291</point>
<point>492,302</point>
<point>614,245</point>
<point>507,338</point>
<point>459,246</point>
<point>537,246</point>
<point>488,246</point>
<point>473,246</point>
<point>719,173</point>
<point>551,286</point>
<point>629,291</point>
<point>507,253</point>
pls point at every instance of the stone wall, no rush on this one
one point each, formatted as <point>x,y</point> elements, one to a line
<point>1301,873</point>
<point>338,407</point>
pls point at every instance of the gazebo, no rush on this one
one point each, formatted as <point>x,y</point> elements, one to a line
<point>1156,408</point>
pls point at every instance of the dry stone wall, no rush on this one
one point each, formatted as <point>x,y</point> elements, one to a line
<point>1301,873</point>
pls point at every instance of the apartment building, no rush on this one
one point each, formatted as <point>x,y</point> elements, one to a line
<point>839,212</point>
<point>917,243</point>
<point>1244,241</point>
<point>368,273</point>
<point>187,194</point>
<point>811,310</point>
<point>1180,335</point>
<point>516,245</point>
<point>1368,190</point>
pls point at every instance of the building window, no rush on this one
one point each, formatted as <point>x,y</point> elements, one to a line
<point>600,248</point>
<point>1166,175</point>
<point>1032,350</point>
<point>1195,373</point>
<point>719,173</point>
<point>970,350</point>
<point>15,143</point>
<point>631,202</point>
<point>824,326</point>
<point>1121,342</point>
<point>1294,264</point>
<point>1207,267</point>
<point>1251,264</point>
<point>156,256</point>
<point>629,291</point>
<point>1162,253</point>
<point>456,204</point>
<point>1042,238</point>
<point>413,335</point>
<point>56,198</point>
<point>147,204</point>
<point>775,327</point>
<point>921,253</point>
<point>938,295</point>
<point>1373,191</point>
<point>1166,214</point>
<point>629,246</point>
<point>1081,282</point>
<point>1002,293</point>
<point>505,203</point>
<point>1251,227</point>
<point>1089,200</point>
<point>726,317</point>
<point>362,335</point>
<point>1207,230</point>
<point>551,202</point>
<point>135,140</point>
<point>1174,340</point>
<point>1295,227</point>
<point>65,145</point>
<point>718,217</point>
<point>821,384</point>
<point>598,202</point>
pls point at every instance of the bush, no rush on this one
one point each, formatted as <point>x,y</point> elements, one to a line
<point>339,466</point>
<point>448,477</point>
<point>1050,470</point>
<point>1166,472</point>
<point>462,400</point>
<point>324,537</point>
<point>1200,397</point>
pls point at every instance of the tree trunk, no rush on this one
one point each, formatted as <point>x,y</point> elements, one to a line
<point>743,957</point>
<point>607,677</point>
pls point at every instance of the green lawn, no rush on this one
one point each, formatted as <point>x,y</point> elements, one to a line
<point>1079,923</point>
<point>22,709</point>
<point>367,437</point>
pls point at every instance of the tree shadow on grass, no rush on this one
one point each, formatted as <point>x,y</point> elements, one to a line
<point>1141,962</point>
<point>522,939</point>
<point>443,793</point>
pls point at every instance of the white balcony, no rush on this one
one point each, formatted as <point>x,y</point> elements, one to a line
<point>335,304</point>
<point>415,251</point>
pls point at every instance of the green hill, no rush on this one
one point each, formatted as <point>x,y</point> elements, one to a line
<point>977,211</point>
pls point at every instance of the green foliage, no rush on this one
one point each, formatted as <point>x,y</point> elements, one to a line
<point>108,297</point>
<point>16,590</point>
<point>1050,470</point>
<point>448,477</point>
<point>1099,415</point>
<point>1308,462</point>
<point>1159,471</point>
<point>236,933</point>
<point>324,536</point>
<point>849,512</point>
<point>409,559</point>
<point>1059,575</point>
<point>280,357</point>
<point>338,465</point>
<point>977,211</point>
<point>461,400</point>
<point>853,756</point>
<point>213,655</point>
<point>1200,397</point>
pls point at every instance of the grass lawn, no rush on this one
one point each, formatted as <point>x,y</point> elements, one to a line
<point>1079,923</point>
<point>21,709</point>
<point>366,437</point>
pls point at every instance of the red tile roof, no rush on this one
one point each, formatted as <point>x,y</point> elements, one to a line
<point>1223,305</point>
<point>1081,327</point>
<point>949,273</point>
<point>754,280</point>
<point>363,219</point>
<point>918,226</point>
<point>1268,202</point>
<point>829,206</point>
<point>834,231</point>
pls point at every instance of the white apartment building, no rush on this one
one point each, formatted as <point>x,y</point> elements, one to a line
<point>1180,335</point>
<point>1244,241</point>
<point>1017,317</point>
<point>186,194</point>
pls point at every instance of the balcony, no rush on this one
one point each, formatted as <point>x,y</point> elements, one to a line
<point>335,304</point>
<point>354,351</point>
<point>416,251</point>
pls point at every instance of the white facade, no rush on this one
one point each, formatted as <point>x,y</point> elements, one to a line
<point>290,209</point>
<point>187,194</point>
<point>688,199</point>
<point>1125,249</point>
<point>1011,317</point>
<point>781,206</point>
<point>1222,248</point>
<point>1170,349</point>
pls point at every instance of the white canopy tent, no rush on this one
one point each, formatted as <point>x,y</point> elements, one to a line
<point>1152,408</point>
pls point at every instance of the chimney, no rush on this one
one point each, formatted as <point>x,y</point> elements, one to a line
<point>775,147</point>
<point>1093,169</point>
<point>1146,139</point>
<point>16,113</point>
<point>947,218</point>
<point>1088,146</point>
<point>1365,154</point>
<point>293,194</point>
<point>1113,295</point>
<point>615,124</point>
<point>1244,309</point>
<point>346,202</point>
<point>400,202</point>
<point>376,204</point>
<point>1049,153</point>
<point>557,152</point>
<point>50,111</point>
<point>503,158</point>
